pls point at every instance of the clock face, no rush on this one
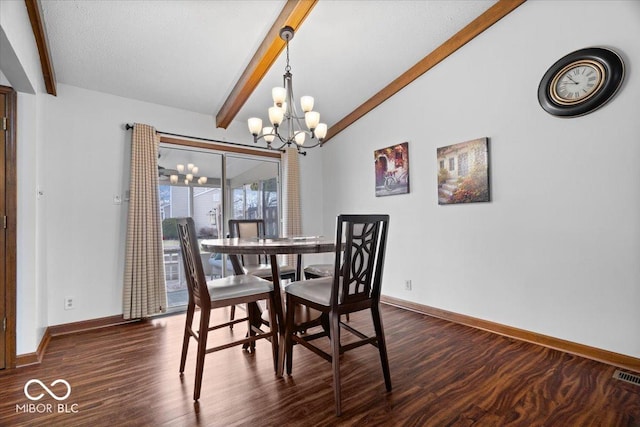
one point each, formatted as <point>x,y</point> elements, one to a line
<point>577,82</point>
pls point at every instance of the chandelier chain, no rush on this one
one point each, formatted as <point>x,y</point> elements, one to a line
<point>288,67</point>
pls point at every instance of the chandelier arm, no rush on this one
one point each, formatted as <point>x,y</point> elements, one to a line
<point>275,134</point>
<point>318,143</point>
<point>269,144</point>
<point>284,143</point>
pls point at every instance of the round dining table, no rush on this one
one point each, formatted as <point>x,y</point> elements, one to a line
<point>271,247</point>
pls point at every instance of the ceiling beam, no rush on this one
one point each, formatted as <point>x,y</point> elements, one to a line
<point>39,32</point>
<point>462,37</point>
<point>293,14</point>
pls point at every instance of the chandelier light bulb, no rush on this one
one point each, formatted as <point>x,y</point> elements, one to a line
<point>306,102</point>
<point>194,170</point>
<point>190,167</point>
<point>300,136</point>
<point>180,168</point>
<point>203,179</point>
<point>189,177</point>
<point>321,131</point>
<point>278,94</point>
<point>173,179</point>
<point>268,134</point>
<point>276,114</point>
<point>312,118</point>
<point>186,182</point>
<point>255,124</point>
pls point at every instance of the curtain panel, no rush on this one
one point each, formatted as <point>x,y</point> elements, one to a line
<point>144,292</point>
<point>291,215</point>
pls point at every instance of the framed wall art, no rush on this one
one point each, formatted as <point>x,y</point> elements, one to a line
<point>392,170</point>
<point>463,172</point>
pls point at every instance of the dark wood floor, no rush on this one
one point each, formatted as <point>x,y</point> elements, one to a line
<point>443,374</point>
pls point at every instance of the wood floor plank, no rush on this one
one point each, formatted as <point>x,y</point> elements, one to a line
<point>443,374</point>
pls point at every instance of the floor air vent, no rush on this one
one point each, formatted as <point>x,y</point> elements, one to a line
<point>624,376</point>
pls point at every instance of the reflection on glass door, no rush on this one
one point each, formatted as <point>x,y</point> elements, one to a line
<point>190,184</point>
<point>211,188</point>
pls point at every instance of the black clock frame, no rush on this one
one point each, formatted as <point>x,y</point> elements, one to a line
<point>613,77</point>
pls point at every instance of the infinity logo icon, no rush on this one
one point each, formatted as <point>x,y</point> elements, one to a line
<point>52,394</point>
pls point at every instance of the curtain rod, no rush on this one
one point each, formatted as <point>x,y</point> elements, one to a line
<point>128,127</point>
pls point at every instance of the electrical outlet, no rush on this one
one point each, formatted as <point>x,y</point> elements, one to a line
<point>407,285</point>
<point>69,303</point>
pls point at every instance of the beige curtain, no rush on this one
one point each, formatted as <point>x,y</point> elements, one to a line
<point>144,286</point>
<point>291,197</point>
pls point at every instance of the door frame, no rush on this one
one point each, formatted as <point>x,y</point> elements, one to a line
<point>11,214</point>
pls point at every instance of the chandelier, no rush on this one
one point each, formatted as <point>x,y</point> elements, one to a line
<point>188,177</point>
<point>284,118</point>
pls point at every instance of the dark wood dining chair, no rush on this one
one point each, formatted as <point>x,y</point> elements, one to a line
<point>257,265</point>
<point>354,286</point>
<point>225,292</point>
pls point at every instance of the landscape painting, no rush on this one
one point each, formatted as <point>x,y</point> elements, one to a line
<point>392,170</point>
<point>463,172</point>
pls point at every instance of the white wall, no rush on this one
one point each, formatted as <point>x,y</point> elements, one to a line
<point>556,250</point>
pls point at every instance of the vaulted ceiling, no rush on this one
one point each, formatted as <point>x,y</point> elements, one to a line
<point>191,54</point>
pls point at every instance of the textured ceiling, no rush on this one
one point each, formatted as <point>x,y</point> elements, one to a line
<point>189,54</point>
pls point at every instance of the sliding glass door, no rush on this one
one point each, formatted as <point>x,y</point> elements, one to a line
<point>211,187</point>
<point>254,191</point>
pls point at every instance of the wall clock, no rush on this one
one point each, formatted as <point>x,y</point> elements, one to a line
<point>581,82</point>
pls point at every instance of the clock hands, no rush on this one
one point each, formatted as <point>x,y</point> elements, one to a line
<point>572,81</point>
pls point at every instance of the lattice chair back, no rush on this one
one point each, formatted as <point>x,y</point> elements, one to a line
<point>360,251</point>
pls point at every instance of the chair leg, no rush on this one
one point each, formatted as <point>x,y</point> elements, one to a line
<point>382,346</point>
<point>325,323</point>
<point>255,319</point>
<point>187,336</point>
<point>289,331</point>
<point>334,327</point>
<point>202,348</point>
<point>232,316</point>
<point>273,328</point>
